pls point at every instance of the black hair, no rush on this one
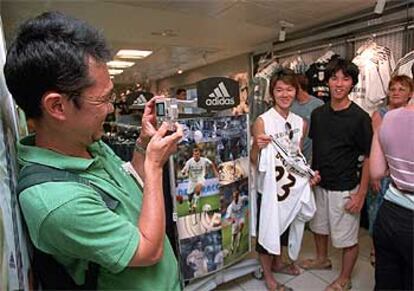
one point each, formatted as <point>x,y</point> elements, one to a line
<point>285,75</point>
<point>303,82</point>
<point>180,90</point>
<point>348,68</point>
<point>50,53</point>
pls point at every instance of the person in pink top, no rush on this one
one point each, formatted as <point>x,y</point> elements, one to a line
<point>392,152</point>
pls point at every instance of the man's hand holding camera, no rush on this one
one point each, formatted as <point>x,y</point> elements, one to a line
<point>157,145</point>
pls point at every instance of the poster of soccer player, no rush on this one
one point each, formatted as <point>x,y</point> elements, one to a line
<point>201,255</point>
<point>197,179</point>
<point>235,219</point>
<point>210,164</point>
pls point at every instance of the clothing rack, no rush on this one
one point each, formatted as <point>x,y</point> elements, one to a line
<point>377,34</point>
<point>345,41</point>
<point>314,48</point>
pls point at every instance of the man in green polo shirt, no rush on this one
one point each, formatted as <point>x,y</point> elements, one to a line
<point>56,71</point>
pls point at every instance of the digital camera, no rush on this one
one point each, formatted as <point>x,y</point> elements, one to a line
<point>166,109</point>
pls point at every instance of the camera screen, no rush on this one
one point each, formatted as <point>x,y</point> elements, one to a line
<point>160,108</point>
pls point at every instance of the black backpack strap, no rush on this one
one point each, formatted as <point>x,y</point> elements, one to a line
<point>35,174</point>
<point>52,274</point>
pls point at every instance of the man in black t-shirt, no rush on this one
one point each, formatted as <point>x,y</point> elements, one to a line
<point>341,134</point>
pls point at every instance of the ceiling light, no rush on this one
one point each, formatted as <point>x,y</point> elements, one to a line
<point>282,34</point>
<point>165,33</point>
<point>120,64</point>
<point>179,71</point>
<point>132,54</point>
<point>115,71</point>
<point>111,77</point>
<point>379,7</point>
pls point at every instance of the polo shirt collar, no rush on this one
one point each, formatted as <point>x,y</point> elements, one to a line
<point>29,153</point>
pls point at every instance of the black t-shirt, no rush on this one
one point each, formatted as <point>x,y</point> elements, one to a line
<point>339,138</point>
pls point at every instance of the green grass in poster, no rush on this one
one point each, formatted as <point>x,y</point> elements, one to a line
<point>213,200</point>
<point>226,242</point>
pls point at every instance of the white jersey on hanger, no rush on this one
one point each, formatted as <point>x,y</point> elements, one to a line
<point>376,65</point>
<point>267,73</point>
<point>287,198</point>
<point>405,65</point>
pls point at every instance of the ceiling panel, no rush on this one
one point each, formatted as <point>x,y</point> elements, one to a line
<point>201,32</point>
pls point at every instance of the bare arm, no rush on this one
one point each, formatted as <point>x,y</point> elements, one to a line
<point>184,171</point>
<point>378,164</point>
<point>260,140</point>
<point>356,201</point>
<point>304,135</point>
<point>215,170</point>
<point>147,132</point>
<point>376,123</point>
<point>151,221</point>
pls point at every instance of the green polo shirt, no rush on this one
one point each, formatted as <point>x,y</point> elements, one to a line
<point>70,220</point>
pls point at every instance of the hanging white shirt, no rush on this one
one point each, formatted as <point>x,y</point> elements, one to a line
<point>405,65</point>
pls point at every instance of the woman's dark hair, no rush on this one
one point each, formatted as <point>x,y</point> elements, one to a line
<point>50,53</point>
<point>285,75</point>
<point>348,68</point>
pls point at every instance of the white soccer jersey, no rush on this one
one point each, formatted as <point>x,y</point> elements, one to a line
<point>405,65</point>
<point>275,125</point>
<point>196,169</point>
<point>287,197</point>
<point>235,210</point>
<point>375,64</point>
<point>198,261</point>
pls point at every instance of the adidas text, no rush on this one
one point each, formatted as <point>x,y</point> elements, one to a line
<point>219,101</point>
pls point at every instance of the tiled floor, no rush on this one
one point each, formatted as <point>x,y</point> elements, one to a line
<point>362,279</point>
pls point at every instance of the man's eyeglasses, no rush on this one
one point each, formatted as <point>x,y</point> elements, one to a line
<point>107,99</point>
<point>289,131</point>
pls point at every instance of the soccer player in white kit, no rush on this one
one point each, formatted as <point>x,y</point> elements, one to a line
<point>235,213</point>
<point>196,168</point>
<point>197,260</point>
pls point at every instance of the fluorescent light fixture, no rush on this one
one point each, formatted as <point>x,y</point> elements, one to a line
<point>132,54</point>
<point>120,64</point>
<point>379,8</point>
<point>282,34</point>
<point>115,71</point>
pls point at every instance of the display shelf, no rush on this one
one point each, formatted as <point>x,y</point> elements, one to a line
<point>242,268</point>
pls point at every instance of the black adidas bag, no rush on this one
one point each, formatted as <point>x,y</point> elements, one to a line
<point>49,273</point>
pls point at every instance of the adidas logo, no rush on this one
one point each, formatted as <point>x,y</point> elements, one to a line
<point>220,91</point>
<point>220,96</point>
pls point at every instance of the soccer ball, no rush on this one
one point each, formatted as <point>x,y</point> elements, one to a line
<point>206,208</point>
<point>198,136</point>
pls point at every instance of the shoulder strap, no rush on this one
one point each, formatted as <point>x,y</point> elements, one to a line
<point>36,174</point>
<point>58,278</point>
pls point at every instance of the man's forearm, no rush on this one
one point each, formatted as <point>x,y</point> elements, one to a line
<point>254,153</point>
<point>138,158</point>
<point>151,222</point>
<point>137,162</point>
<point>364,182</point>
